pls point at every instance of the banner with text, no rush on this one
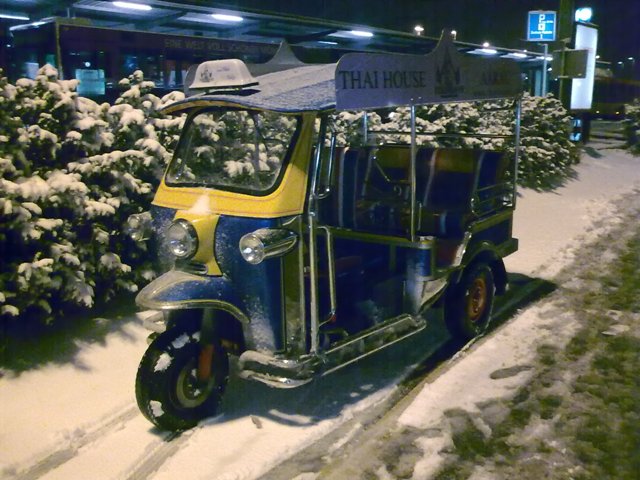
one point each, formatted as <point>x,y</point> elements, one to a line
<point>378,80</point>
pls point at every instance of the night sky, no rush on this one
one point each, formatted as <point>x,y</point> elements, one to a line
<point>500,22</point>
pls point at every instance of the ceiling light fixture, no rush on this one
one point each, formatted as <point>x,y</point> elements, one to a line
<point>9,16</point>
<point>361,33</point>
<point>227,18</point>
<point>132,6</point>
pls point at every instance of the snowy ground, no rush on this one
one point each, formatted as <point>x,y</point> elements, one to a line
<point>79,419</point>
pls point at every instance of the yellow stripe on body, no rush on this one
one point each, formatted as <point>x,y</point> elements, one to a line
<point>205,226</point>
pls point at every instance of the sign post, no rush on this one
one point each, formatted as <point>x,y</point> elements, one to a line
<point>541,27</point>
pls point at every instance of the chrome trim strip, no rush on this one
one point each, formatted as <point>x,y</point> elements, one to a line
<point>193,304</point>
<point>419,243</point>
<point>332,271</point>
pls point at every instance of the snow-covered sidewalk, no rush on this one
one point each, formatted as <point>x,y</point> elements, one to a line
<point>79,420</point>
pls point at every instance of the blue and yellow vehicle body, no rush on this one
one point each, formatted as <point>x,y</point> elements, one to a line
<point>405,253</point>
<point>217,276</point>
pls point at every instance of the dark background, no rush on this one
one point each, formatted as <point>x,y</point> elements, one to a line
<point>500,22</point>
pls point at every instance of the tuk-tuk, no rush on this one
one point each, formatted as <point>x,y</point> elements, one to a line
<point>301,249</point>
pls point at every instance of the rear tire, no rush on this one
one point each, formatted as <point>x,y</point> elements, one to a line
<point>469,303</point>
<point>168,392</point>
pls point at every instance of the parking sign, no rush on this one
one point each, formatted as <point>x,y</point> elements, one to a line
<point>541,26</point>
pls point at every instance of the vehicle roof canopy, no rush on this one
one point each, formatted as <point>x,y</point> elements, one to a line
<point>361,81</point>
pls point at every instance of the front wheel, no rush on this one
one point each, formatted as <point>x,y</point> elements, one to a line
<point>168,390</point>
<point>469,302</point>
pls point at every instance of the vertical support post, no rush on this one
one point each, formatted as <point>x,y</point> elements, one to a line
<point>312,228</point>
<point>516,139</point>
<point>58,51</point>
<point>565,34</point>
<point>365,127</point>
<point>412,173</point>
<point>544,69</point>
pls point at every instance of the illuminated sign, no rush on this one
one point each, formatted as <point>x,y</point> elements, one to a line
<point>582,88</point>
<point>541,26</point>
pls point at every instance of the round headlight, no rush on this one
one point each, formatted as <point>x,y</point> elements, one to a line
<point>137,226</point>
<point>252,249</point>
<point>182,239</point>
<point>266,243</point>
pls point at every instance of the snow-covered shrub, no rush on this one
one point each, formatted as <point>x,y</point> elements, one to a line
<point>349,127</point>
<point>71,172</point>
<point>546,153</point>
<point>446,121</point>
<point>632,125</point>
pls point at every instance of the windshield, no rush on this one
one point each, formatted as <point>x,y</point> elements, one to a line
<point>236,150</point>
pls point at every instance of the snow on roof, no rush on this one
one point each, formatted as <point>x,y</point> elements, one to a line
<point>305,88</point>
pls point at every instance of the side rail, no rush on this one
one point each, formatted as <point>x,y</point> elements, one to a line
<point>371,189</point>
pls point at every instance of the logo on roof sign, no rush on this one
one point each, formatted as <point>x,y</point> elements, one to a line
<point>448,78</point>
<point>206,75</point>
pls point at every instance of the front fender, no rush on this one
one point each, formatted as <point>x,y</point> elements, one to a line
<point>176,290</point>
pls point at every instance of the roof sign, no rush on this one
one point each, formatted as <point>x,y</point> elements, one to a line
<point>370,80</point>
<point>222,75</point>
<point>541,26</point>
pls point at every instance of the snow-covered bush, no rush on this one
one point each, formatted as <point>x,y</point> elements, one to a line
<point>71,171</point>
<point>632,125</point>
<point>546,153</point>
<point>443,120</point>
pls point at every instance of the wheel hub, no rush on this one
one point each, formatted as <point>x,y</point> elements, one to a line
<point>190,391</point>
<point>477,299</point>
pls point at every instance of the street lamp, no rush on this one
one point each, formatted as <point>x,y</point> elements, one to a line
<point>418,29</point>
<point>583,14</point>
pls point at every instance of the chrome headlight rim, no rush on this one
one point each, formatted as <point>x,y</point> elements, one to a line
<point>182,239</point>
<point>252,249</point>
<point>264,243</point>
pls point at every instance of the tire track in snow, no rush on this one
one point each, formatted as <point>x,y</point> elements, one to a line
<point>153,458</point>
<point>60,456</point>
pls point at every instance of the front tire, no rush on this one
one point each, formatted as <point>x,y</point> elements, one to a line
<point>470,302</point>
<point>168,391</point>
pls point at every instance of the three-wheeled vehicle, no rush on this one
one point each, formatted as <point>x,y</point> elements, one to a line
<point>302,248</point>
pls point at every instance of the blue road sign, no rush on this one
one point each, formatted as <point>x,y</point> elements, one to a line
<point>541,26</point>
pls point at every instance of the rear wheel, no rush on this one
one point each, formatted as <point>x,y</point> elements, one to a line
<point>168,390</point>
<point>469,303</point>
